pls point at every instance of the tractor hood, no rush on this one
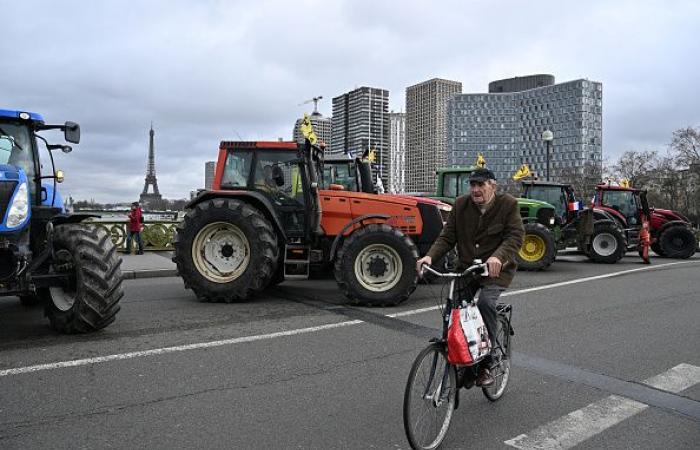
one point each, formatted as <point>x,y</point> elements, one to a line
<point>8,172</point>
<point>667,215</point>
<point>531,203</point>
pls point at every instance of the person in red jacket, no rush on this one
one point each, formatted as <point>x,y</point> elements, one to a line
<point>134,228</point>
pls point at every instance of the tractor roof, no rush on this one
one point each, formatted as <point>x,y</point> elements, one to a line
<point>545,183</point>
<point>284,145</point>
<point>612,187</point>
<point>13,114</point>
<point>458,169</point>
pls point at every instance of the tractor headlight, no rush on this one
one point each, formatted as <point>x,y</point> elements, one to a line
<point>444,212</point>
<point>19,208</point>
<point>551,221</point>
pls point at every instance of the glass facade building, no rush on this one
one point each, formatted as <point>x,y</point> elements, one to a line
<point>507,128</point>
<point>397,152</point>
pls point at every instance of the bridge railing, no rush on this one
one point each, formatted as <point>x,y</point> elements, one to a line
<point>155,235</point>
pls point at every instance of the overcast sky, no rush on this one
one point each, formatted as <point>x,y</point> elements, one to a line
<point>204,71</point>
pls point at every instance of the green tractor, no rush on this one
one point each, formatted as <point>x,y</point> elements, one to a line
<point>539,249</point>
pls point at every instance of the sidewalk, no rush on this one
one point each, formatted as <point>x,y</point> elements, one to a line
<point>148,265</point>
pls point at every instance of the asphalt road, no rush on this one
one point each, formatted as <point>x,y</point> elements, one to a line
<point>608,362</point>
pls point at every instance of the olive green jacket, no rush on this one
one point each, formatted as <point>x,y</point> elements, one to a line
<point>498,232</point>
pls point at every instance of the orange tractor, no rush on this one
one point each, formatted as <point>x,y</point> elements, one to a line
<point>267,219</point>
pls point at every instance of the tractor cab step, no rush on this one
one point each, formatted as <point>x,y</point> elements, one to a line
<point>296,261</point>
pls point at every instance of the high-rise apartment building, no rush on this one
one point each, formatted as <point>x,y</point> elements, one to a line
<point>361,122</point>
<point>426,131</point>
<point>209,171</point>
<point>506,126</point>
<point>397,152</point>
<point>322,128</point>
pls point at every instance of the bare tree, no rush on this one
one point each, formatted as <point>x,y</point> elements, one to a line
<point>686,145</point>
<point>636,166</point>
<point>584,179</point>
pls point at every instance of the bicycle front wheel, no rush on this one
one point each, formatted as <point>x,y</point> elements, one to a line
<point>500,355</point>
<point>429,399</point>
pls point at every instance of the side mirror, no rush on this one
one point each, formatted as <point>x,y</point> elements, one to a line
<point>278,175</point>
<point>72,132</point>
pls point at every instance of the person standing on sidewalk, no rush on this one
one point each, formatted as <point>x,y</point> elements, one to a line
<point>134,228</point>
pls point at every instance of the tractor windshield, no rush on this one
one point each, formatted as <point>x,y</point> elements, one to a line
<point>21,155</point>
<point>343,173</point>
<point>277,174</point>
<point>624,202</point>
<point>236,169</point>
<point>554,195</point>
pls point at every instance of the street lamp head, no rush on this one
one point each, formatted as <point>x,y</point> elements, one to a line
<point>547,136</point>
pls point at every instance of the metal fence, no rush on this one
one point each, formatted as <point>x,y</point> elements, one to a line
<point>155,235</point>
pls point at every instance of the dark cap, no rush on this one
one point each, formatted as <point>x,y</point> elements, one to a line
<point>135,204</point>
<point>481,175</point>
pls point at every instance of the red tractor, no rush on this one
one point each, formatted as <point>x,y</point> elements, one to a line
<point>666,232</point>
<point>268,219</point>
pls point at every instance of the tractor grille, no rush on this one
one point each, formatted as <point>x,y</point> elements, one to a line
<point>524,212</point>
<point>6,190</point>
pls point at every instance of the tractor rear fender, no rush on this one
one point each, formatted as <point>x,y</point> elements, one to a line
<point>341,234</point>
<point>669,224</point>
<point>255,199</point>
<point>60,219</point>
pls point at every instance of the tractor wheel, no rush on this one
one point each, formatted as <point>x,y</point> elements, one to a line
<point>538,250</point>
<point>656,248</point>
<point>376,266</point>
<point>677,241</point>
<point>89,300</point>
<point>607,244</point>
<point>225,251</point>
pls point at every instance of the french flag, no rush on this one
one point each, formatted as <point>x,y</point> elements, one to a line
<point>575,206</point>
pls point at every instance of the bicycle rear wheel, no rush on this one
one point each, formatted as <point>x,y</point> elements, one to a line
<point>500,355</point>
<point>429,399</point>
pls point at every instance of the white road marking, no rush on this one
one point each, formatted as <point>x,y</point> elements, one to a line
<point>584,423</point>
<point>239,340</point>
<point>179,348</point>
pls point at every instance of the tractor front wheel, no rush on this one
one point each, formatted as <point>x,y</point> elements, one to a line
<point>677,241</point>
<point>225,250</point>
<point>376,266</point>
<point>607,244</point>
<point>89,298</point>
<point>538,250</point>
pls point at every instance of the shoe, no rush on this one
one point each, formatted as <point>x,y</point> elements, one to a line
<point>485,379</point>
<point>139,253</point>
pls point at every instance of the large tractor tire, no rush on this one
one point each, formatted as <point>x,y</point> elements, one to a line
<point>677,241</point>
<point>376,266</point>
<point>607,244</point>
<point>225,251</point>
<point>539,248</point>
<point>90,300</point>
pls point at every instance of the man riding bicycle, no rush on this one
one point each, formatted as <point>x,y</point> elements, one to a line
<point>484,225</point>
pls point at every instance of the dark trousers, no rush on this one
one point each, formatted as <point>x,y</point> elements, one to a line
<point>137,236</point>
<point>487,307</point>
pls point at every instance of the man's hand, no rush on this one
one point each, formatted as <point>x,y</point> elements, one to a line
<point>419,264</point>
<point>494,264</point>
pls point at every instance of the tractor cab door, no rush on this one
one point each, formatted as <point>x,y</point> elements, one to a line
<point>278,176</point>
<point>624,202</point>
<point>554,195</point>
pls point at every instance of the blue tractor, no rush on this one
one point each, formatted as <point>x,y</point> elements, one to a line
<point>47,255</point>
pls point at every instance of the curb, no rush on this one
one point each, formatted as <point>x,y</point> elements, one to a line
<point>137,274</point>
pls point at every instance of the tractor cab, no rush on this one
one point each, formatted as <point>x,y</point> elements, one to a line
<point>353,175</point>
<point>278,174</point>
<point>453,182</point>
<point>559,195</point>
<point>625,204</point>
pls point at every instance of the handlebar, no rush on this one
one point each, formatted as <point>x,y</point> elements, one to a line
<point>478,266</point>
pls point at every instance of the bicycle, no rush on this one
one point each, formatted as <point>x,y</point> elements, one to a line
<point>433,383</point>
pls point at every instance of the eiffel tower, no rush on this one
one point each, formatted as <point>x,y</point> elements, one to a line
<point>150,200</point>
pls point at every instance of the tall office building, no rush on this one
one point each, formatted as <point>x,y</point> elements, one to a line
<point>322,128</point>
<point>506,126</point>
<point>426,131</point>
<point>209,171</point>
<point>361,122</point>
<point>397,152</point>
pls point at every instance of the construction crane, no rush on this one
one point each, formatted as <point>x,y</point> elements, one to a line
<point>315,100</point>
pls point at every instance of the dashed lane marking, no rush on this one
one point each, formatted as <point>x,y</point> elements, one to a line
<point>584,423</point>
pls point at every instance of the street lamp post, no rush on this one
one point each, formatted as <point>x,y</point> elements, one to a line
<point>548,137</point>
